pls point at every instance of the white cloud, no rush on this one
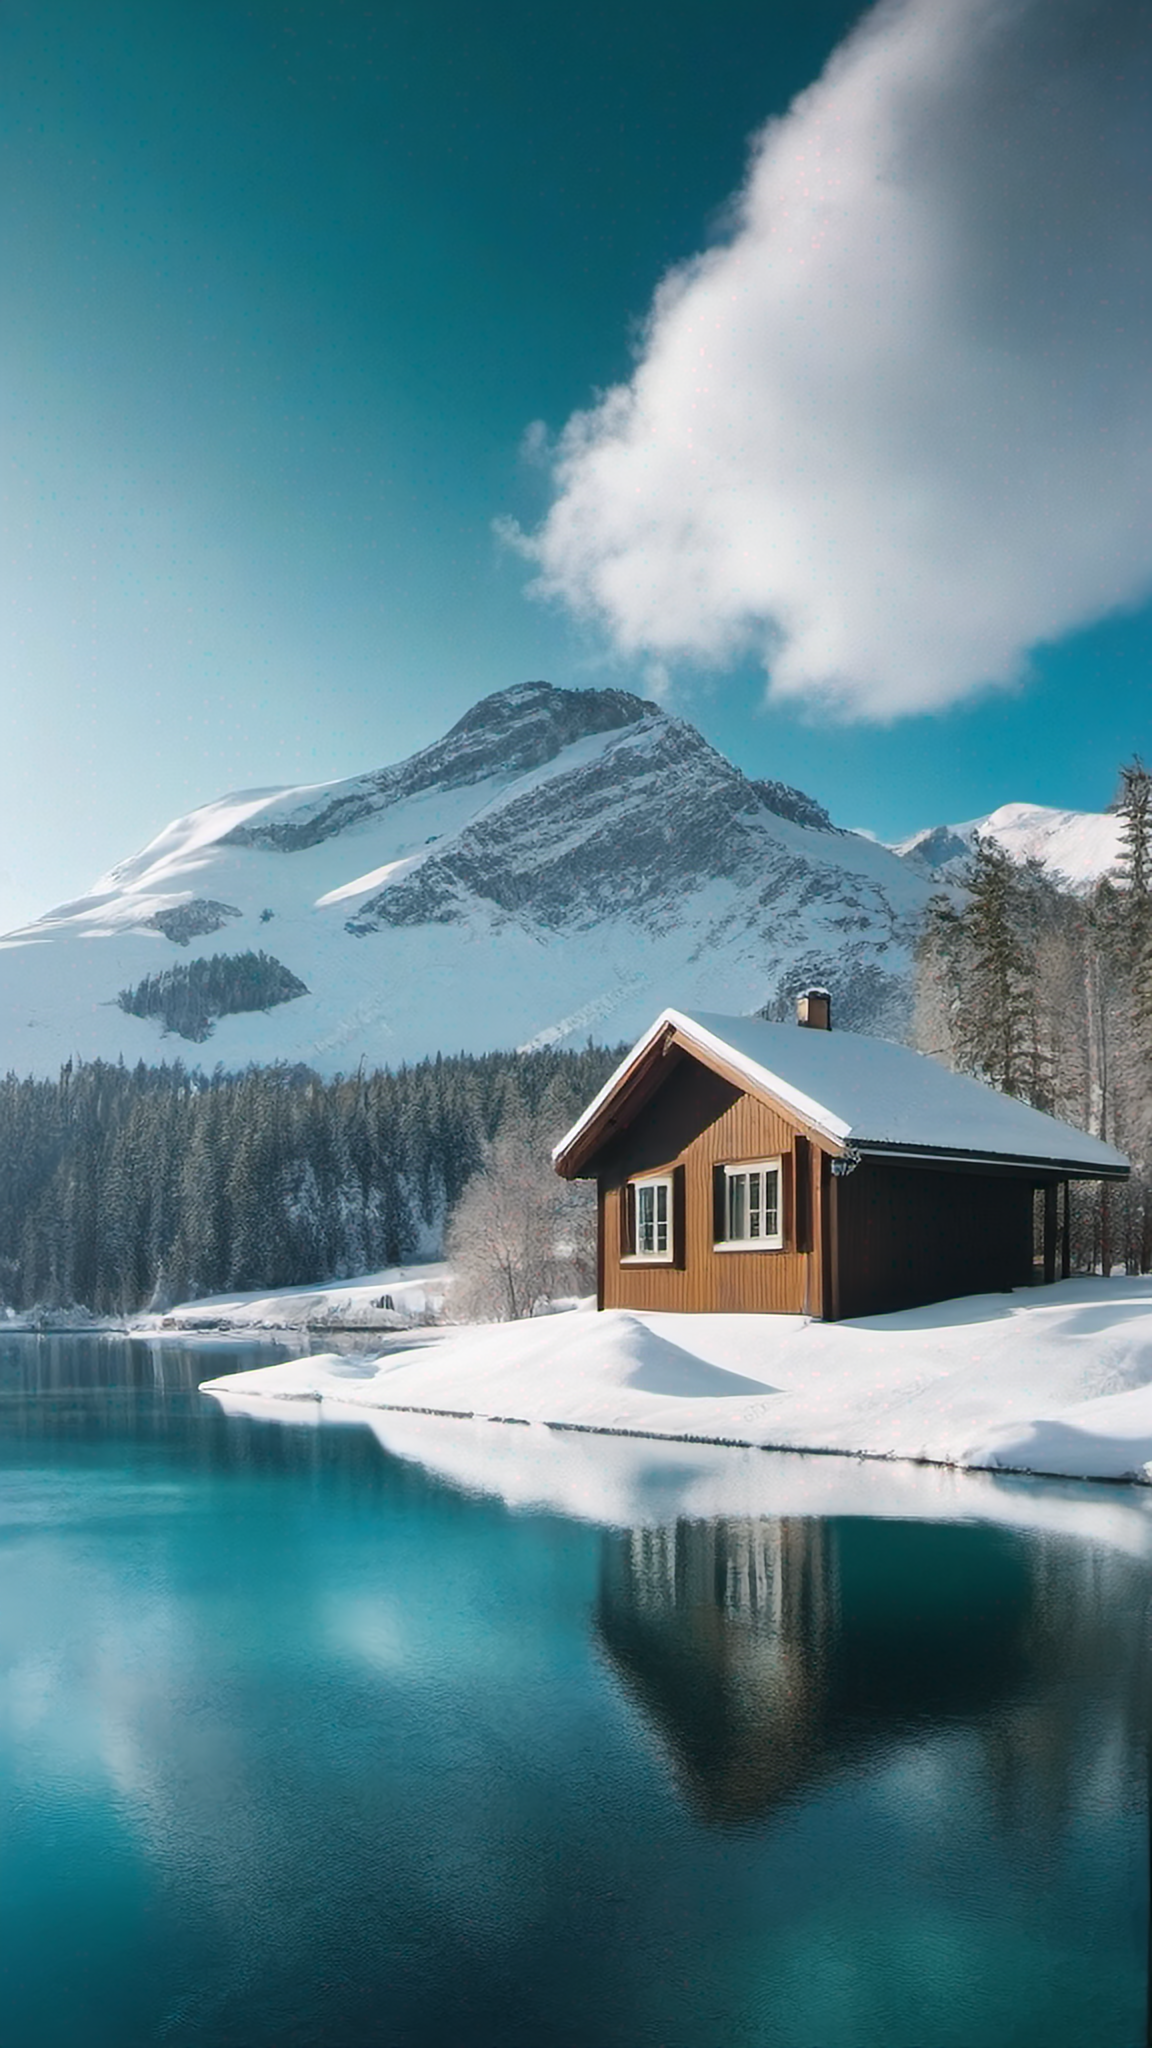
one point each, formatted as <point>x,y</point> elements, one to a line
<point>897,427</point>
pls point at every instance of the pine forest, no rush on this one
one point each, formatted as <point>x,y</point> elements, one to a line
<point>121,1187</point>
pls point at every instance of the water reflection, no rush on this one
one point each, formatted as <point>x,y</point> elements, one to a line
<point>768,1654</point>
<point>327,1742</point>
<point>33,1365</point>
<point>629,1482</point>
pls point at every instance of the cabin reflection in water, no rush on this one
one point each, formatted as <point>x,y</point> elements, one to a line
<point>769,1655</point>
<point>719,1630</point>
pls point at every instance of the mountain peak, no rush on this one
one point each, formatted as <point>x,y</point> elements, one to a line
<point>1076,846</point>
<point>555,717</point>
<point>506,734</point>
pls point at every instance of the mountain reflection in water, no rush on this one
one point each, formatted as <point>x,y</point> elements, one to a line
<point>768,1655</point>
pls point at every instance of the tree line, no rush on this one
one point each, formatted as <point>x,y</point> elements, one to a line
<point>1046,992</point>
<point>127,1187</point>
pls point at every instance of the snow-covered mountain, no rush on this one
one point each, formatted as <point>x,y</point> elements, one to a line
<point>1081,846</point>
<point>561,865</point>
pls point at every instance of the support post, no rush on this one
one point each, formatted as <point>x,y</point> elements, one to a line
<point>601,1204</point>
<point>1066,1234</point>
<point>832,1241</point>
<point>1049,1233</point>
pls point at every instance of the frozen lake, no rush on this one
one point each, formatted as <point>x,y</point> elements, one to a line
<point>308,1737</point>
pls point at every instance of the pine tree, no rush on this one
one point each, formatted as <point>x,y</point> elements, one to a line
<point>1130,929</point>
<point>1048,991</point>
<point>982,955</point>
<point>1133,804</point>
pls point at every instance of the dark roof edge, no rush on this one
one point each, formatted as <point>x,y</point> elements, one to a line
<point>1065,1169</point>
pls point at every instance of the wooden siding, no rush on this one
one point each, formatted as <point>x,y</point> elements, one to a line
<point>700,1121</point>
<point>905,1235</point>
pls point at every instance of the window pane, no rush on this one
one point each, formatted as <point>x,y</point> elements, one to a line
<point>737,1186</point>
<point>755,1184</point>
<point>653,1219</point>
<point>772,1203</point>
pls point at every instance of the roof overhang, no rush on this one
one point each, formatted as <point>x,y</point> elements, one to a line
<point>989,1162</point>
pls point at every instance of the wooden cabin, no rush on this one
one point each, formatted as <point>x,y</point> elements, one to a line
<point>792,1169</point>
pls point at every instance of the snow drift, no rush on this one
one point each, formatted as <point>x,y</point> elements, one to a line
<point>1056,1381</point>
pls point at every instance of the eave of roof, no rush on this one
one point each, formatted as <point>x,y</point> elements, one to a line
<point>1027,1162</point>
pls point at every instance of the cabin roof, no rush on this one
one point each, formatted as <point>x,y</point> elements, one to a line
<point>851,1092</point>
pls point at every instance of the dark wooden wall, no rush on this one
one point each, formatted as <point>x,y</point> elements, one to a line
<point>905,1235</point>
<point>698,1120</point>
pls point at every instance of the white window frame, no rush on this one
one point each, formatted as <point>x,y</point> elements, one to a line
<point>655,1181</point>
<point>763,1242</point>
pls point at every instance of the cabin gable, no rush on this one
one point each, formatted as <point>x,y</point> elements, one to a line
<point>689,1102</point>
<point>693,1126</point>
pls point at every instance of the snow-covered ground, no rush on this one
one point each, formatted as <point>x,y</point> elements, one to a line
<point>1054,1380</point>
<point>390,1299</point>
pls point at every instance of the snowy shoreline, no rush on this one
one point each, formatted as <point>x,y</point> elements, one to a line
<point>1050,1381</point>
<point>397,1298</point>
<point>393,1299</point>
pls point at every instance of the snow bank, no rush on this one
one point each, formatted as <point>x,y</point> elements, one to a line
<point>389,1300</point>
<point>1055,1380</point>
<point>44,1319</point>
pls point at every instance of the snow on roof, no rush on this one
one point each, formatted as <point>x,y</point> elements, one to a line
<point>870,1093</point>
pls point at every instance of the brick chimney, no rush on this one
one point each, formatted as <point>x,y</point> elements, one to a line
<point>814,1009</point>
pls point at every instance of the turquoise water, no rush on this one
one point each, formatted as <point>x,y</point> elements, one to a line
<point>302,1744</point>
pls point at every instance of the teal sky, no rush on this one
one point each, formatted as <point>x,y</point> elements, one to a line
<point>284,285</point>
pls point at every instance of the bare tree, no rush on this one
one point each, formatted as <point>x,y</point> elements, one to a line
<point>519,1236</point>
